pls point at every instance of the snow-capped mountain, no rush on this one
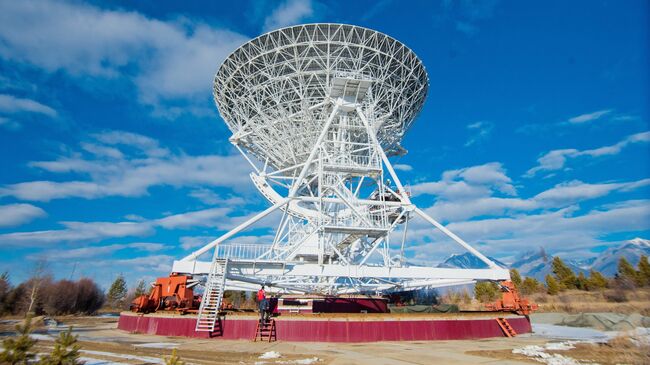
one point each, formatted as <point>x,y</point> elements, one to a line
<point>537,264</point>
<point>468,261</point>
<point>607,261</point>
<point>584,264</point>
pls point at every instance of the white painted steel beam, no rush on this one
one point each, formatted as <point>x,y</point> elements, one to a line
<point>262,268</point>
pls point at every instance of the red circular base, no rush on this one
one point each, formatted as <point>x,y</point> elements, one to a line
<point>319,329</point>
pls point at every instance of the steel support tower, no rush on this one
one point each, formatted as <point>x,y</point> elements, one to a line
<point>317,110</point>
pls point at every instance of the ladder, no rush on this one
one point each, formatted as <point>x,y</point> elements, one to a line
<point>506,327</point>
<point>211,302</point>
<point>265,329</point>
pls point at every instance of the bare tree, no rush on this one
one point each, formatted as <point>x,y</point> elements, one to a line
<point>39,273</point>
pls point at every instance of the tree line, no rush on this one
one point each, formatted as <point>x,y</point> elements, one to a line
<point>41,294</point>
<point>563,278</point>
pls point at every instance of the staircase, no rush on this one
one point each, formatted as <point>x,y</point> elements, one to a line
<point>506,327</point>
<point>265,331</point>
<point>347,241</point>
<point>214,287</point>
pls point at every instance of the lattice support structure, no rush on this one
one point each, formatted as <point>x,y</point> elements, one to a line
<point>317,109</point>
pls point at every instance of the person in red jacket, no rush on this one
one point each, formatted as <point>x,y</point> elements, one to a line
<point>263,303</point>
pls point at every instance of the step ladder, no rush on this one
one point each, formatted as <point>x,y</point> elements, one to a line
<point>211,302</point>
<point>506,327</point>
<point>265,331</point>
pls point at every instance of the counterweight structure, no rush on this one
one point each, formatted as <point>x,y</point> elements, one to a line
<point>316,110</point>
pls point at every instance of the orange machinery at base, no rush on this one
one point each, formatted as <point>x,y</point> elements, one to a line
<point>511,301</point>
<point>173,292</point>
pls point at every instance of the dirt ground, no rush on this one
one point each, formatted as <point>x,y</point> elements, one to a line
<point>101,340</point>
<point>103,344</point>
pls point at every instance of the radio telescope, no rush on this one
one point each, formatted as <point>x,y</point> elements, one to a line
<point>316,110</point>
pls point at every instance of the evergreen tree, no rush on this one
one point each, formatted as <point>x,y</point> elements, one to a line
<point>117,292</point>
<point>596,281</point>
<point>552,286</point>
<point>486,291</point>
<point>581,282</point>
<point>564,275</point>
<point>65,352</point>
<point>18,350</point>
<point>141,289</point>
<point>516,278</point>
<point>626,271</point>
<point>5,288</point>
<point>174,359</point>
<point>530,286</point>
<point>644,269</point>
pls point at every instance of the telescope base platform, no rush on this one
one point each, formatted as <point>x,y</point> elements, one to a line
<point>335,328</point>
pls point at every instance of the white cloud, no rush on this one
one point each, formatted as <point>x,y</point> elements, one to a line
<point>574,191</point>
<point>589,117</point>
<point>76,232</point>
<point>112,174</point>
<point>148,145</point>
<point>82,232</point>
<point>473,192</point>
<point>290,12</point>
<point>146,264</point>
<point>190,242</point>
<point>479,131</point>
<point>468,183</point>
<point>466,15</point>
<point>564,230</point>
<point>96,251</point>
<point>17,214</point>
<point>483,206</point>
<point>402,167</point>
<point>556,159</point>
<point>208,196</point>
<point>469,199</point>
<point>202,218</point>
<point>551,229</point>
<point>491,173</point>
<point>166,59</point>
<point>10,104</point>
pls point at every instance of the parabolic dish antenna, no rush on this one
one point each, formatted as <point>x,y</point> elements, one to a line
<point>270,91</point>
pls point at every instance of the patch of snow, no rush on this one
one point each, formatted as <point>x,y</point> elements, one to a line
<point>91,361</point>
<point>147,359</point>
<point>306,361</point>
<point>640,242</point>
<point>639,336</point>
<point>270,355</point>
<point>50,322</point>
<point>158,345</point>
<point>539,354</point>
<point>108,315</point>
<point>560,346</point>
<point>41,337</point>
<point>571,333</point>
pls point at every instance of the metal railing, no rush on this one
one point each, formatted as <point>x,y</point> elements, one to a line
<point>376,218</point>
<point>242,251</point>
<point>364,162</point>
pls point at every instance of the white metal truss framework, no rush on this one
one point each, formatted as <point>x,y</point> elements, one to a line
<point>321,105</point>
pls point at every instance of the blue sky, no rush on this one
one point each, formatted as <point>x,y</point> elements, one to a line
<point>113,158</point>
